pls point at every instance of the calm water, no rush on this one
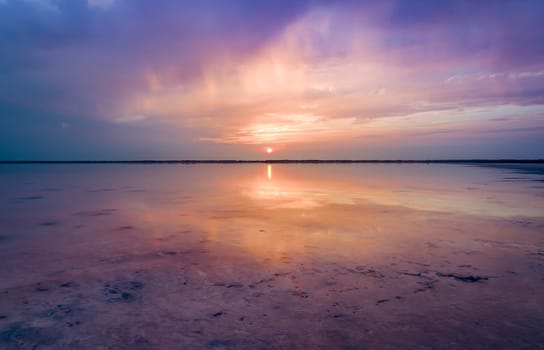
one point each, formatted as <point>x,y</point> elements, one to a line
<point>271,256</point>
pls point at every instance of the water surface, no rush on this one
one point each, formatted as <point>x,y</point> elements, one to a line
<point>246,256</point>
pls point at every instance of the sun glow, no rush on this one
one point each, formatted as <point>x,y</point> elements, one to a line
<point>269,150</point>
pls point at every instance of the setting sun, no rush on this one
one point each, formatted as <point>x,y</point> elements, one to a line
<point>268,150</point>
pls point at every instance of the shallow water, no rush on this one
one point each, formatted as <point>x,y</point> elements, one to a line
<point>271,256</point>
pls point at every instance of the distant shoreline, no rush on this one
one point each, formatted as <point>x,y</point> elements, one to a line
<point>283,161</point>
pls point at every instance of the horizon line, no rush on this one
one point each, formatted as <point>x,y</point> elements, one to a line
<point>278,161</point>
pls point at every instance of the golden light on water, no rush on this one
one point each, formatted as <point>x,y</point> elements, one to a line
<point>269,171</point>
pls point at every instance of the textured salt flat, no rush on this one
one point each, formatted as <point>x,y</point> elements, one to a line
<point>271,257</point>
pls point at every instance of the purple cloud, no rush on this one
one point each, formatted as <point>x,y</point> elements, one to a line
<point>82,59</point>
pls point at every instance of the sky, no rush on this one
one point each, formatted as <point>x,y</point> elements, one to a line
<point>310,79</point>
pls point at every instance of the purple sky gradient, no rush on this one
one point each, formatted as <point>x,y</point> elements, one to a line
<point>134,79</point>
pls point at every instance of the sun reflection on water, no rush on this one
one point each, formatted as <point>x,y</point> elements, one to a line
<point>292,209</point>
<point>298,187</point>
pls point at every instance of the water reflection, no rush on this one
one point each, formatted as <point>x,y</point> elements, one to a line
<point>352,210</point>
<point>445,188</point>
<point>289,242</point>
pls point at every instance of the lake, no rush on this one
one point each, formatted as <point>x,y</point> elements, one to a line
<point>271,256</point>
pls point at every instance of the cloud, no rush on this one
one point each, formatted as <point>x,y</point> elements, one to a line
<point>130,119</point>
<point>238,71</point>
<point>94,58</point>
<point>290,129</point>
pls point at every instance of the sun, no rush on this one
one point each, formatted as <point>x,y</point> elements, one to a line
<point>269,150</point>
